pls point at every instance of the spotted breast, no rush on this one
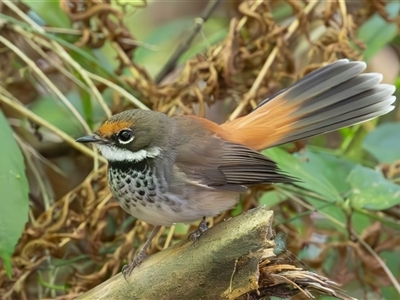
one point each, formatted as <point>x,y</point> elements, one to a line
<point>142,192</point>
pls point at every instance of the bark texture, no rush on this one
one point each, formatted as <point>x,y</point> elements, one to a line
<point>222,264</point>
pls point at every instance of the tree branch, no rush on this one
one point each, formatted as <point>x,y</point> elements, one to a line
<point>234,259</point>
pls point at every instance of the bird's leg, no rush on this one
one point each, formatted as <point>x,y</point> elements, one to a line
<point>195,234</point>
<point>141,256</point>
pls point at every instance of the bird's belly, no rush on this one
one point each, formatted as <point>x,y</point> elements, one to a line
<point>145,198</point>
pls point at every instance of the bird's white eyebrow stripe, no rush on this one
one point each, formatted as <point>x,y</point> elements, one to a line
<point>113,153</point>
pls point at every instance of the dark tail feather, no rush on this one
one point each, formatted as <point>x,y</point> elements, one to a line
<point>332,97</point>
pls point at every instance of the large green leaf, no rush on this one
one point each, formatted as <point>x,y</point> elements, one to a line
<point>370,190</point>
<point>384,142</point>
<point>14,202</point>
<point>333,168</point>
<point>318,172</point>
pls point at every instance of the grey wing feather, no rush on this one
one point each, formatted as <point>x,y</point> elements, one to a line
<point>228,166</point>
<point>244,166</point>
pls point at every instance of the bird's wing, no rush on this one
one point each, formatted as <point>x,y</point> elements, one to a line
<point>218,163</point>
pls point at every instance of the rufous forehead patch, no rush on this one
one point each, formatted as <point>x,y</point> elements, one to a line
<point>110,128</point>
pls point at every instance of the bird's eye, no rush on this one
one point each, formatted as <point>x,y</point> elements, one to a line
<point>125,136</point>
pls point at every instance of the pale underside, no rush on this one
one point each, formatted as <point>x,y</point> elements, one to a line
<point>209,204</point>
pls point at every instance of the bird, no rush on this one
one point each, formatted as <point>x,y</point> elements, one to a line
<point>179,169</point>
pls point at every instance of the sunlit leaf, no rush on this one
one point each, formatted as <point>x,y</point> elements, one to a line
<point>14,202</point>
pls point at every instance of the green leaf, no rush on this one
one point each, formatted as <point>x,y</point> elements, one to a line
<point>282,11</point>
<point>55,287</point>
<point>327,298</point>
<point>238,209</point>
<point>373,216</point>
<point>50,12</point>
<point>377,33</point>
<point>87,107</point>
<point>14,203</point>
<point>370,190</point>
<point>392,261</point>
<point>314,169</point>
<point>320,173</point>
<point>181,228</point>
<point>384,142</point>
<point>58,115</point>
<point>165,38</point>
<point>333,168</point>
<point>360,221</point>
<point>270,199</point>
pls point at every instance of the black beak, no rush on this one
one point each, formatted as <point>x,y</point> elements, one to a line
<point>90,139</point>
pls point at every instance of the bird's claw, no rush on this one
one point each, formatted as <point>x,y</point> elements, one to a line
<point>127,269</point>
<point>195,234</point>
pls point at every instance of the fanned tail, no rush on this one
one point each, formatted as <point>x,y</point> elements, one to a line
<point>332,97</point>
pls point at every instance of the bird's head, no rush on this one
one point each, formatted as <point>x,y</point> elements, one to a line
<point>132,135</point>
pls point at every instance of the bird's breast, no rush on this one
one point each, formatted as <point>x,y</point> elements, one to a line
<point>143,193</point>
<point>146,194</point>
<point>135,187</point>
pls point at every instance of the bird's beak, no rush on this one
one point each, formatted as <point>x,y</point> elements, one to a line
<point>91,139</point>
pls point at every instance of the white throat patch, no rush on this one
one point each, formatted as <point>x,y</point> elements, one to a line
<point>112,153</point>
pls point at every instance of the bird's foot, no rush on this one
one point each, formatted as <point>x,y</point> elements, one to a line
<point>141,256</point>
<point>195,234</point>
<point>127,269</point>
